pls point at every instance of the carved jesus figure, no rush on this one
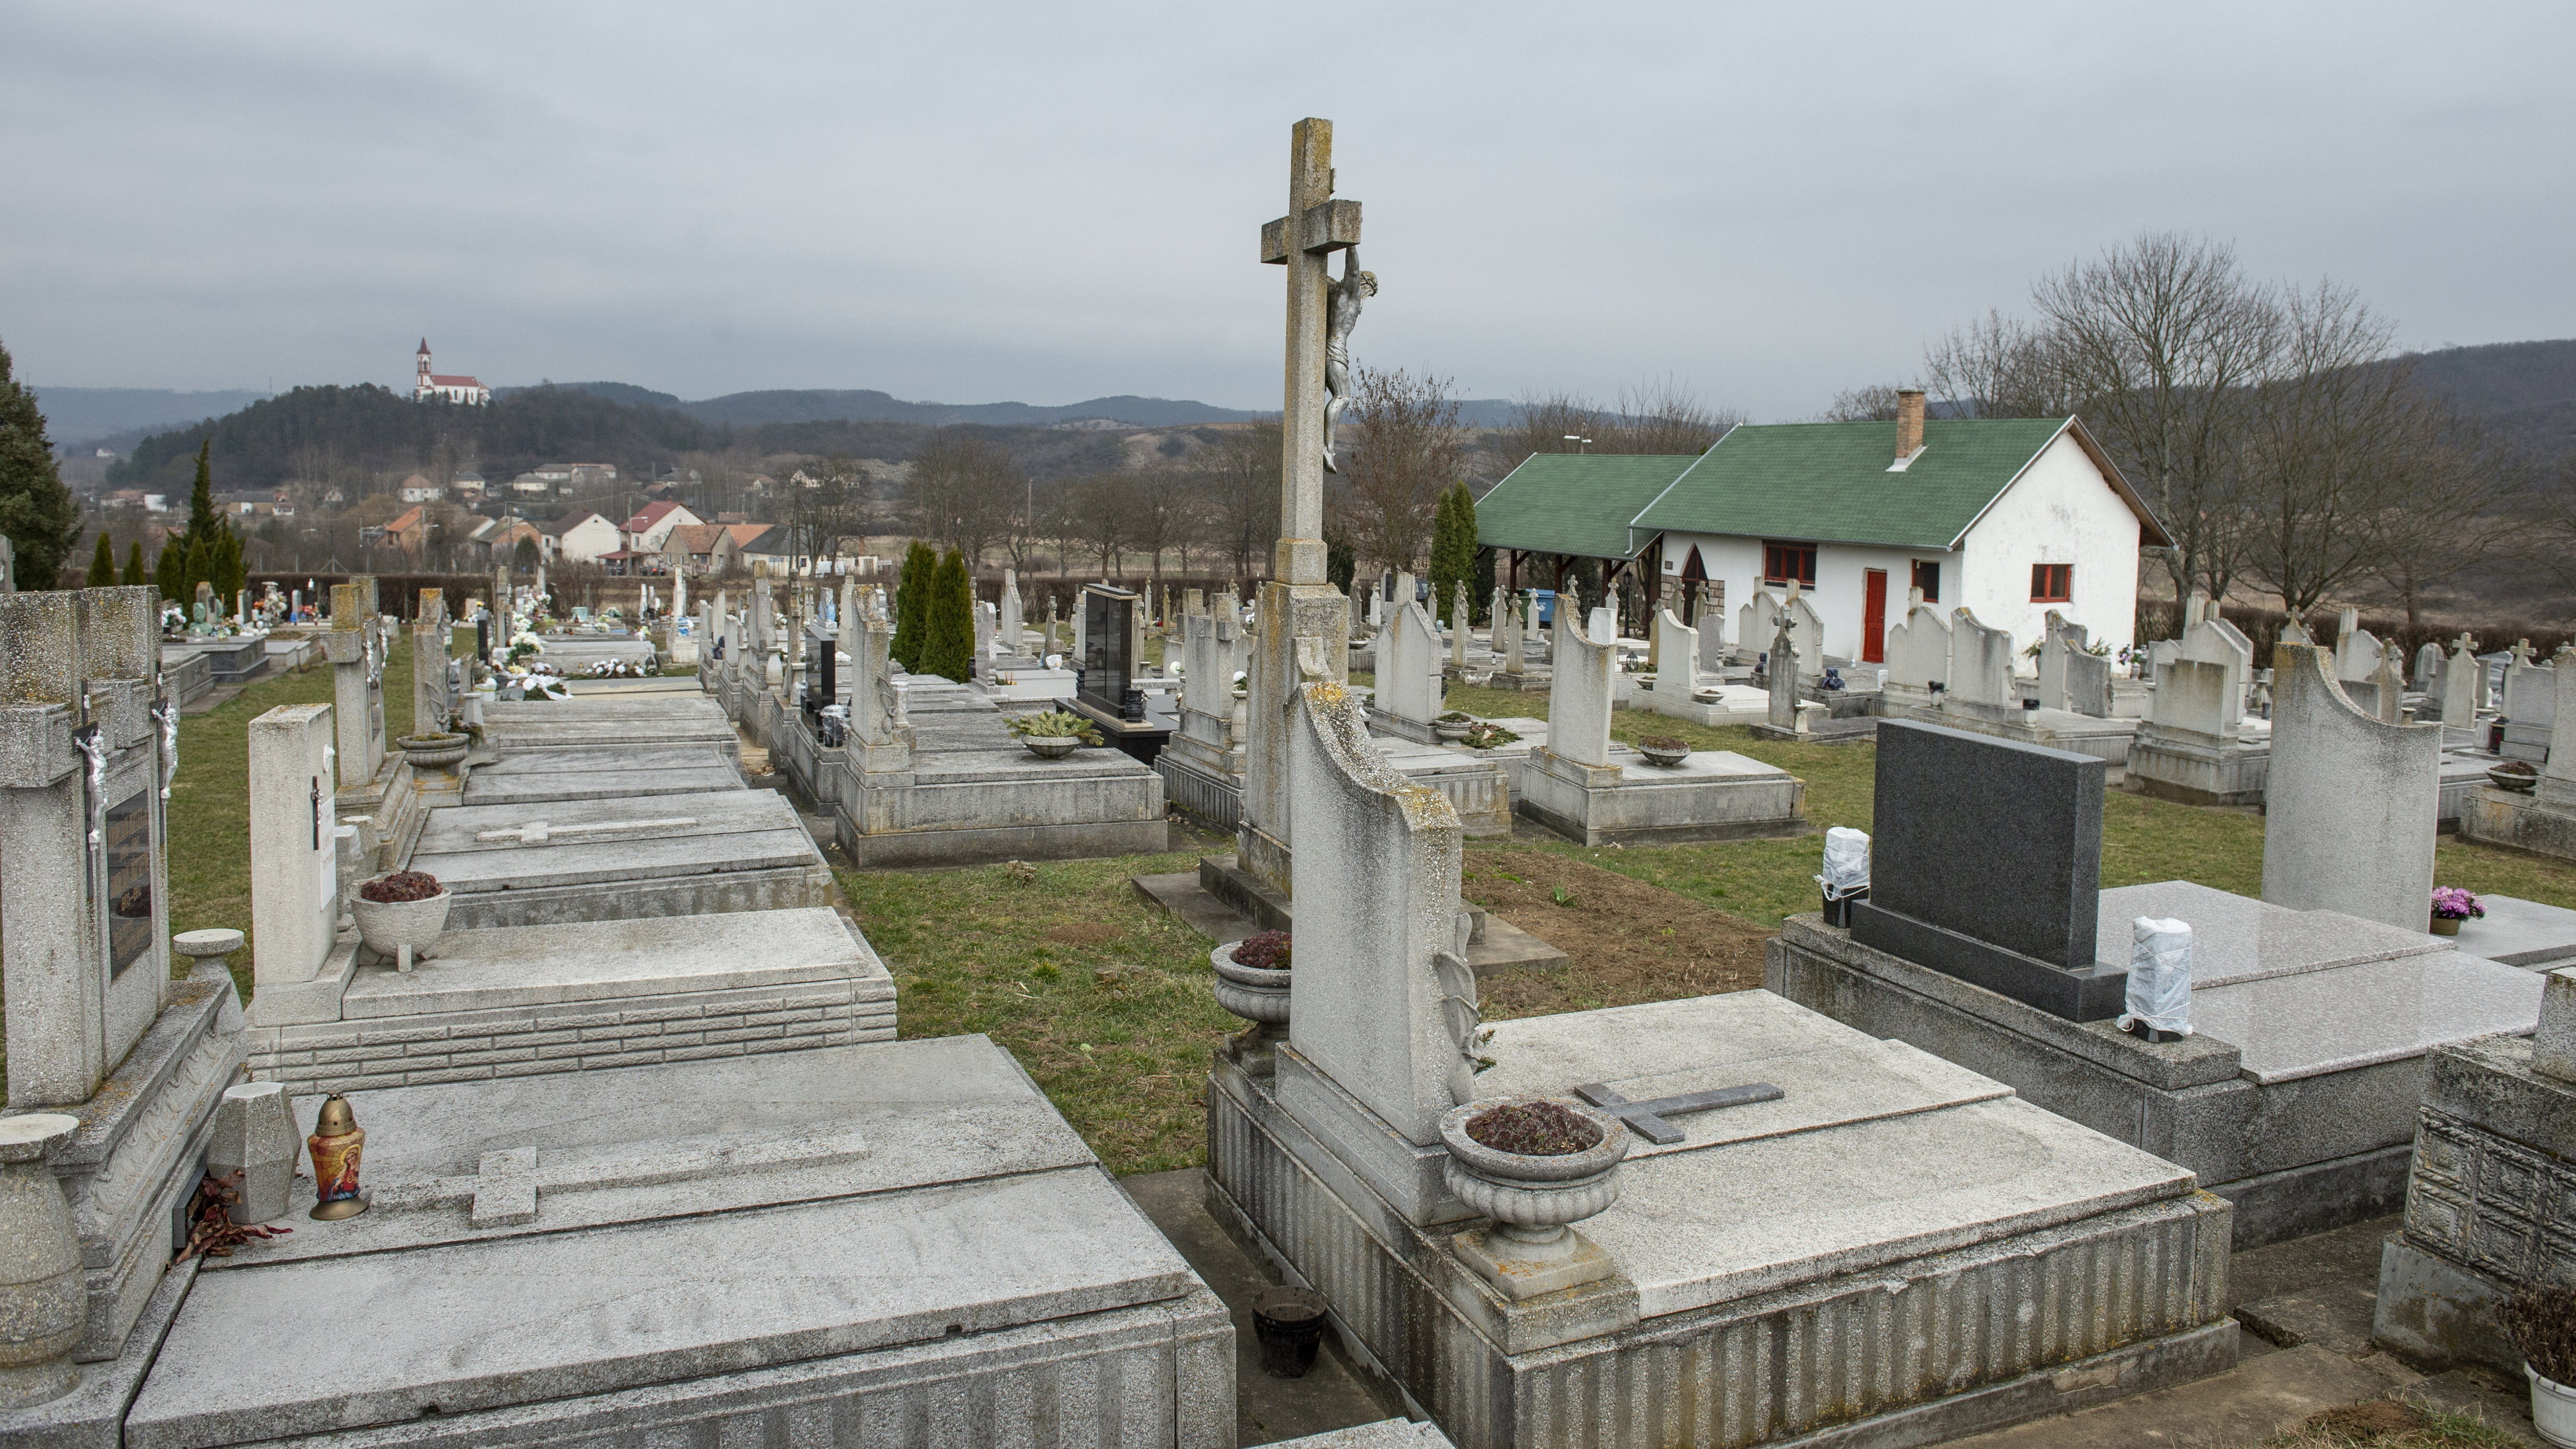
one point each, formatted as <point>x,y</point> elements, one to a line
<point>1341,314</point>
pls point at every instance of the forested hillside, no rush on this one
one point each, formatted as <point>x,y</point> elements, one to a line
<point>323,432</point>
<point>2526,391</point>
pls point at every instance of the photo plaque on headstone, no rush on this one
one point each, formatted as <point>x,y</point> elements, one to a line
<point>128,849</point>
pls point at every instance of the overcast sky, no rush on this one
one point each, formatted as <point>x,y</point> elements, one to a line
<point>1048,202</point>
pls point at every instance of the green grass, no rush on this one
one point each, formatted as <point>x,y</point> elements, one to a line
<point>1104,999</point>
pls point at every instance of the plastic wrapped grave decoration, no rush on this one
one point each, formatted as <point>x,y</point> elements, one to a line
<point>1845,877</point>
<point>2159,999</point>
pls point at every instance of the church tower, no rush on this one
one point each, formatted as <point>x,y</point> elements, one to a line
<point>421,387</point>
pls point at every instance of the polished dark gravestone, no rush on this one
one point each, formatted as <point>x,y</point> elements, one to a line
<point>1986,864</point>
<point>1108,659</point>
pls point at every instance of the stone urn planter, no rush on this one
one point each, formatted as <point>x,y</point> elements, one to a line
<point>2514,780</point>
<point>1054,747</point>
<point>1663,756</point>
<point>1451,731</point>
<point>1251,992</point>
<point>44,1306</point>
<point>2553,1408</point>
<point>401,931</point>
<point>434,752</point>
<point>1534,1198</point>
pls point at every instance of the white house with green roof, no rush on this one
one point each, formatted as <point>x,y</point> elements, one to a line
<point>2007,517</point>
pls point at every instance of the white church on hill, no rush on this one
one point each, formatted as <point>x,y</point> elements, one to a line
<point>428,386</point>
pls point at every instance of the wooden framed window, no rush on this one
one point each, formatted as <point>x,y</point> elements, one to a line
<point>1927,577</point>
<point>2052,583</point>
<point>1782,562</point>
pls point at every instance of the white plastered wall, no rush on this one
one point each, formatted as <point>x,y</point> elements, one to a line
<point>1840,594</point>
<point>2061,510</point>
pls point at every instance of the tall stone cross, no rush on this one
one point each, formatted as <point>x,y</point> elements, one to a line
<point>1303,241</point>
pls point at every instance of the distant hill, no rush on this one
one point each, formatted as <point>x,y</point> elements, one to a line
<point>616,392</point>
<point>2526,391</point>
<point>867,405</point>
<point>78,416</point>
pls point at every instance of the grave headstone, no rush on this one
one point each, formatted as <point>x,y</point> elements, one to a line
<point>2059,641</point>
<point>1579,699</point>
<point>1985,863</point>
<point>294,876</point>
<point>1676,655</point>
<point>1461,620</point>
<point>2352,802</point>
<point>84,914</point>
<point>1109,635</point>
<point>1918,654</point>
<point>431,707</point>
<point>2428,665</point>
<point>987,629</point>
<point>2463,684</point>
<point>2358,652</point>
<point>1807,629</point>
<point>1782,673</point>
<point>1013,621</point>
<point>1711,624</point>
<point>1755,621</point>
<point>1981,666</point>
<point>1408,671</point>
<point>1507,634</point>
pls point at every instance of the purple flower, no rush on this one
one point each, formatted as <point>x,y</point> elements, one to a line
<point>2451,903</point>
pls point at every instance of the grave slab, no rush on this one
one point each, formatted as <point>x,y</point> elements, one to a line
<point>1710,795</point>
<point>2295,1098</point>
<point>527,1000</point>
<point>526,776</point>
<point>2521,933</point>
<point>609,859</point>
<point>870,1236</point>
<point>1879,1166</point>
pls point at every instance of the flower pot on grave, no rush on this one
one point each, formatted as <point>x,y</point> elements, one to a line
<point>1051,747</point>
<point>1249,992</point>
<point>2446,925</point>
<point>2553,1408</point>
<point>2520,782</point>
<point>44,1306</point>
<point>1533,1199</point>
<point>434,752</point>
<point>1450,734</point>
<point>1666,759</point>
<point>389,926</point>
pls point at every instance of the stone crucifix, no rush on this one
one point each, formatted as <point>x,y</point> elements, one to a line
<point>1315,227</point>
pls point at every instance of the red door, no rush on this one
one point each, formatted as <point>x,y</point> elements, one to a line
<point>1873,616</point>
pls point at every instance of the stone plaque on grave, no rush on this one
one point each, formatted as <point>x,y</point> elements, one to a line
<point>1986,864</point>
<point>1108,645</point>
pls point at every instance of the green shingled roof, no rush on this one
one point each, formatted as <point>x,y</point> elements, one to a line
<point>1829,481</point>
<point>1576,503</point>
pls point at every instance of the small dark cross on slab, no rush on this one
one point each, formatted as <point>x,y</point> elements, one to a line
<point>1646,1119</point>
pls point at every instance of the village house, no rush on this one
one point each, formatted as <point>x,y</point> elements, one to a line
<point>645,532</point>
<point>498,538</point>
<point>2007,517</point>
<point>418,489</point>
<point>582,536</point>
<point>467,487</point>
<point>409,529</point>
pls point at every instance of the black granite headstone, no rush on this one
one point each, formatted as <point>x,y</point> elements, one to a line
<point>1986,863</point>
<point>822,669</point>
<point>1108,644</point>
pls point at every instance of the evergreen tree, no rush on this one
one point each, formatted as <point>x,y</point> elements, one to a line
<point>912,592</point>
<point>1341,561</point>
<point>102,564</point>
<point>134,573</point>
<point>1453,548</point>
<point>170,570</point>
<point>948,632</point>
<point>194,572</point>
<point>37,512</point>
<point>224,567</point>
<point>202,517</point>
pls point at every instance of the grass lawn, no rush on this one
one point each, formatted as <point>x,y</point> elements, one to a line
<point>1103,998</point>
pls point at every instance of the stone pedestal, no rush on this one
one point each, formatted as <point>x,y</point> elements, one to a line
<point>2294,1098</point>
<point>2486,1214</point>
<point>2198,769</point>
<point>1711,795</point>
<point>1849,1255</point>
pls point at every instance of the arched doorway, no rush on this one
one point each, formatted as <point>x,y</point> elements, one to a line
<point>1694,573</point>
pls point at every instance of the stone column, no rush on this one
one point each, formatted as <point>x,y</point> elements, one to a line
<point>1461,622</point>
<point>429,702</point>
<point>44,1304</point>
<point>344,644</point>
<point>294,873</point>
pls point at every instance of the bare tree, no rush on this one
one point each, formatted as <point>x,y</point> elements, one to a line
<point>1873,404</point>
<point>1163,508</point>
<point>2159,342</point>
<point>1407,450</point>
<point>964,491</point>
<point>1557,422</point>
<point>1102,516</point>
<point>821,506</point>
<point>1664,416</point>
<point>1995,367</point>
<point>1239,478</point>
<point>2346,472</point>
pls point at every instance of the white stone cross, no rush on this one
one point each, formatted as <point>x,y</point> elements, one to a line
<point>538,832</point>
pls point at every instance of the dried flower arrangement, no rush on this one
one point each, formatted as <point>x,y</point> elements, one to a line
<point>1533,1129</point>
<point>402,885</point>
<point>1267,951</point>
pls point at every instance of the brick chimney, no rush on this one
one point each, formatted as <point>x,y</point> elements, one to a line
<point>1909,422</point>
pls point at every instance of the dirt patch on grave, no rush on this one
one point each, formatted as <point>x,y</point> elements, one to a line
<point>1084,933</point>
<point>1627,941</point>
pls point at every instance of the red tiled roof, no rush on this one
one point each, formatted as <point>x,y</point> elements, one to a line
<point>652,514</point>
<point>437,379</point>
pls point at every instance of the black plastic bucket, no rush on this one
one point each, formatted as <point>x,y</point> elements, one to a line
<point>1290,1324</point>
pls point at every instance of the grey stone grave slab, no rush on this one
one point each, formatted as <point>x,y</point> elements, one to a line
<point>878,1235</point>
<point>608,859</point>
<point>529,776</point>
<point>2366,1013</point>
<point>1986,863</point>
<point>526,1000</point>
<point>2520,933</point>
<point>2237,938</point>
<point>591,722</point>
